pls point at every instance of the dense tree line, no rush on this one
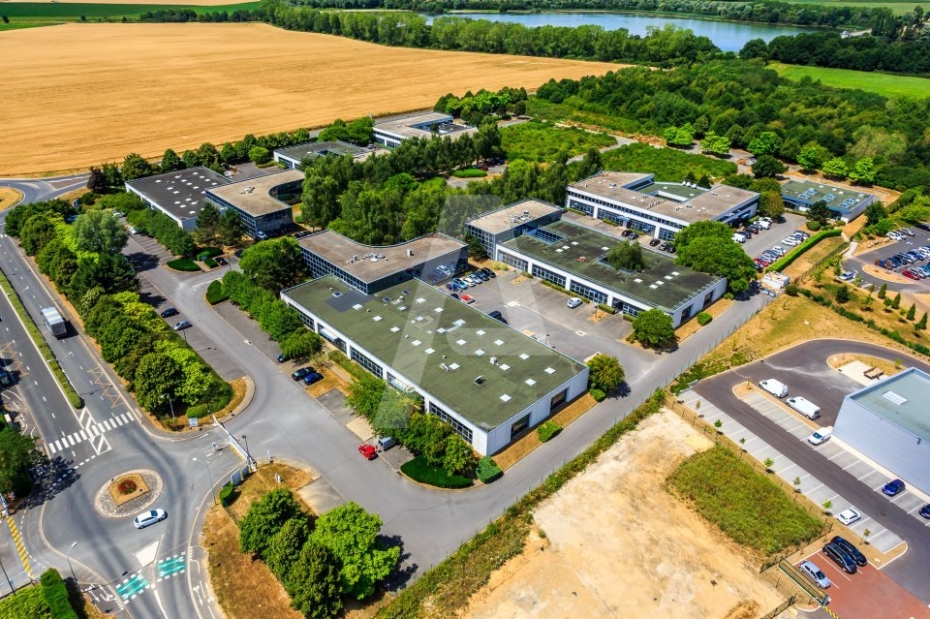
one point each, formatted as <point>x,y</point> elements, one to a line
<point>189,15</point>
<point>475,108</point>
<point>85,263</point>
<point>829,49</point>
<point>663,46</point>
<point>743,101</point>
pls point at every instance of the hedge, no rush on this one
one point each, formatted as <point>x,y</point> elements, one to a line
<point>73,398</point>
<point>215,292</point>
<point>210,252</point>
<point>798,251</point>
<point>28,602</point>
<point>469,173</point>
<point>420,470</point>
<point>210,262</point>
<point>597,394</point>
<point>488,470</point>
<point>227,495</point>
<point>56,595</point>
<point>548,430</point>
<point>703,318</point>
<point>184,264</point>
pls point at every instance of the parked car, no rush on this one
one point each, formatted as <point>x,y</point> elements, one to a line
<point>664,246</point>
<point>893,487</point>
<point>851,550</point>
<point>847,276</point>
<point>925,511</point>
<point>299,374</point>
<point>820,436</point>
<point>840,557</point>
<point>220,260</point>
<point>168,312</point>
<point>923,226</point>
<point>281,358</point>
<point>778,249</point>
<point>907,231</point>
<point>488,272</point>
<point>849,516</point>
<point>149,518</point>
<point>368,451</point>
<point>454,296</point>
<point>627,232</point>
<point>182,324</point>
<point>496,315</point>
<point>574,302</point>
<point>654,242</point>
<point>481,276</point>
<point>909,274</point>
<point>813,572</point>
<point>312,377</point>
<point>467,299</point>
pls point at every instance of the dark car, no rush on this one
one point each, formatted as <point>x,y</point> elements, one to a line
<point>626,232</point>
<point>454,295</point>
<point>281,358</point>
<point>840,557</point>
<point>182,324</point>
<point>312,377</point>
<point>496,315</point>
<point>299,374</point>
<point>923,226</point>
<point>488,272</point>
<point>654,242</point>
<point>480,275</point>
<point>925,511</point>
<point>893,488</point>
<point>169,312</point>
<point>851,550</point>
<point>220,260</point>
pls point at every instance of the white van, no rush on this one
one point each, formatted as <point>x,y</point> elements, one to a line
<point>804,406</point>
<point>775,387</point>
<point>821,436</point>
<point>385,443</point>
<point>739,237</point>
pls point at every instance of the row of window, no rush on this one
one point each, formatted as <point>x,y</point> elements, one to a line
<point>623,209</point>
<point>587,292</point>
<point>320,267</point>
<point>555,278</point>
<point>459,428</point>
<point>511,260</point>
<point>367,363</point>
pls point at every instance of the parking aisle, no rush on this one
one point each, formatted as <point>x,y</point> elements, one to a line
<point>879,536</point>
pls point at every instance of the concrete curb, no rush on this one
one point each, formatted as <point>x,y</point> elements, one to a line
<point>246,399</point>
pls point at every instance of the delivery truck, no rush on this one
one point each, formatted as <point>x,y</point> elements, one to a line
<point>804,406</point>
<point>775,387</point>
<point>55,323</point>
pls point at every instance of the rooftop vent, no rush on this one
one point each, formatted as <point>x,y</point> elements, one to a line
<point>479,380</point>
<point>894,397</point>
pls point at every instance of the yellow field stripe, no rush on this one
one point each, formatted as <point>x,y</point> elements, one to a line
<point>20,548</point>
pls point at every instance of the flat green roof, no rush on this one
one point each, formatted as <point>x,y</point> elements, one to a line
<point>579,250</point>
<point>901,399</point>
<point>443,346</point>
<point>837,198</point>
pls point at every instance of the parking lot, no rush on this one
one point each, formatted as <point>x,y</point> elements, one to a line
<point>919,239</point>
<point>867,593</point>
<point>779,230</point>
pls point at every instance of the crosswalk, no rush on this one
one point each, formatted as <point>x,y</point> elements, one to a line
<point>91,432</point>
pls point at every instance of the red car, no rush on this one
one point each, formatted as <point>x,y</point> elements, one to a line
<point>909,274</point>
<point>367,451</point>
<point>467,299</point>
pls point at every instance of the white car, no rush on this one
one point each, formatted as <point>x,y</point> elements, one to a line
<point>574,302</point>
<point>150,517</point>
<point>791,241</point>
<point>847,275</point>
<point>821,436</point>
<point>778,249</point>
<point>849,516</point>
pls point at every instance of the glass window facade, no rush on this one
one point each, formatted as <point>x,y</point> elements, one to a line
<point>459,428</point>
<point>367,363</point>
<point>588,293</point>
<point>517,263</point>
<point>519,426</point>
<point>542,273</point>
<point>586,205</point>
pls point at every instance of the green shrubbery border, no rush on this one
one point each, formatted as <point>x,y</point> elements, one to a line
<point>422,471</point>
<point>548,430</point>
<point>55,594</point>
<point>216,293</point>
<point>785,261</point>
<point>183,264</point>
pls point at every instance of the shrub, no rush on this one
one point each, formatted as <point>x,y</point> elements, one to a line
<point>597,394</point>
<point>209,252</point>
<point>210,262</point>
<point>422,471</point>
<point>215,292</point>
<point>703,318</point>
<point>488,470</point>
<point>28,602</point>
<point>548,430</point>
<point>184,264</point>
<point>606,308</point>
<point>227,495</point>
<point>791,290</point>
<point>469,173</point>
<point>813,226</point>
<point>56,595</point>
<point>127,486</point>
<point>783,262</point>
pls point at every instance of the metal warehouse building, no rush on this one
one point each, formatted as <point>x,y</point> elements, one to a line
<point>889,422</point>
<point>491,383</point>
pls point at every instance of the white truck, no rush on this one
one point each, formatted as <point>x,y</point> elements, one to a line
<point>775,387</point>
<point>804,406</point>
<point>55,323</point>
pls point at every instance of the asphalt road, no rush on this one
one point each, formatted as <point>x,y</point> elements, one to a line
<point>805,371</point>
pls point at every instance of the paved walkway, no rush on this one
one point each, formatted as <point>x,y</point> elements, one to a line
<point>879,536</point>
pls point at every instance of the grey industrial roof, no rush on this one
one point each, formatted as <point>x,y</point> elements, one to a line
<point>404,126</point>
<point>252,195</point>
<point>317,149</point>
<point>443,345</point>
<point>513,215</point>
<point>674,200</point>
<point>371,263</point>
<point>179,193</point>
<point>901,399</point>
<point>809,192</point>
<point>579,250</point>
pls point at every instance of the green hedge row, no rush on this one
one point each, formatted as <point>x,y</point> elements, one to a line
<point>487,470</point>
<point>56,595</point>
<point>227,495</point>
<point>183,264</point>
<point>73,398</point>
<point>25,603</point>
<point>798,251</point>
<point>548,430</point>
<point>216,293</point>
<point>422,471</point>
<point>703,318</point>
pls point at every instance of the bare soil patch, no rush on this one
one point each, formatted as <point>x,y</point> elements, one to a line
<point>156,86</point>
<point>614,543</point>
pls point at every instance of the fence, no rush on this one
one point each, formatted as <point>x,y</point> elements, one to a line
<point>802,581</point>
<point>823,262</point>
<point>779,609</point>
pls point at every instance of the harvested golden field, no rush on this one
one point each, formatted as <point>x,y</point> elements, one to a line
<point>82,94</point>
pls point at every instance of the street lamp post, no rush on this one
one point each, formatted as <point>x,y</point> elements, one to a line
<point>248,456</point>
<point>209,476</point>
<point>170,403</point>
<point>68,557</point>
<point>10,582</point>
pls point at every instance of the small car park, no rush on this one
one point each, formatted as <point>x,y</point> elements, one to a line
<point>849,516</point>
<point>169,312</point>
<point>813,572</point>
<point>182,324</point>
<point>893,488</point>
<point>299,374</point>
<point>840,557</point>
<point>851,550</point>
<point>149,518</point>
<point>368,451</point>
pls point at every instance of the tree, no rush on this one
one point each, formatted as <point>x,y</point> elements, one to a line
<point>680,136</point>
<point>812,156</point>
<point>301,344</point>
<point>135,166</point>
<point>715,144</point>
<point>590,164</point>
<point>896,303</point>
<point>874,213</point>
<point>700,229</point>
<point>351,534</point>
<point>912,312</point>
<point>265,518</point>
<point>156,381</point>
<point>208,219</point>
<point>771,205</point>
<point>835,168</point>
<point>475,249</point>
<point>864,172</point>
<point>36,233</point>
<point>767,166</point>
<point>627,256</point>
<point>459,457</point>
<point>113,273</point>
<point>100,232</point>
<point>259,155</point>
<point>171,162</point>
<point>274,264</point>
<point>230,227</point>
<point>766,143</point>
<point>922,324</point>
<point>6,19</point>
<point>314,583</point>
<point>654,328</point>
<point>18,452</point>
<point>883,291</point>
<point>285,546</point>
<point>97,181</point>
<point>723,258</point>
<point>819,212</point>
<point>842,294</point>
<point>605,372</point>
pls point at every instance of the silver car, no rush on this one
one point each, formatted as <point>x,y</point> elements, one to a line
<point>813,572</point>
<point>149,518</point>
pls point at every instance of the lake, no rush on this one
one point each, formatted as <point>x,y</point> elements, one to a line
<point>728,36</point>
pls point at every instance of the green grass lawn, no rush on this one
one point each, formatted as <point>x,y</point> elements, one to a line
<point>880,83</point>
<point>420,470</point>
<point>745,504</point>
<point>541,141</point>
<point>38,13</point>
<point>668,164</point>
<point>898,8</point>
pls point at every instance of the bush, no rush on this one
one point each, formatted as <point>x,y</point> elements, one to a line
<point>548,430</point>
<point>273,315</point>
<point>703,318</point>
<point>813,226</point>
<point>209,252</point>
<point>597,394</point>
<point>56,595</point>
<point>227,495</point>
<point>184,264</point>
<point>607,309</point>
<point>210,262</point>
<point>215,292</point>
<point>29,602</point>
<point>488,470</point>
<point>469,173</point>
<point>422,471</point>
<point>791,290</point>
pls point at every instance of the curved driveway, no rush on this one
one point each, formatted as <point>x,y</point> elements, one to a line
<point>805,370</point>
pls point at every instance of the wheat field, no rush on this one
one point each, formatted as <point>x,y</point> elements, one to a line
<point>81,94</point>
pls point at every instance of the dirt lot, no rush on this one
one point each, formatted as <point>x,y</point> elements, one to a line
<point>83,94</point>
<point>614,543</point>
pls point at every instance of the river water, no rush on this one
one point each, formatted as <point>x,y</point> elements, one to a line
<point>728,36</point>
